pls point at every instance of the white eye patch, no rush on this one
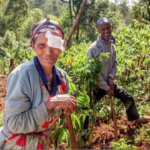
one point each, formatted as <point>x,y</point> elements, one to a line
<point>54,41</point>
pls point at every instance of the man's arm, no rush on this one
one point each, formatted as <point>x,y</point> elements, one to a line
<point>114,67</point>
<point>102,84</point>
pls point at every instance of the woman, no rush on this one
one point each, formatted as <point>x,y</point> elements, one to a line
<point>36,93</point>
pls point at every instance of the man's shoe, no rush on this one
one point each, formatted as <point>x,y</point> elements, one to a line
<point>141,120</point>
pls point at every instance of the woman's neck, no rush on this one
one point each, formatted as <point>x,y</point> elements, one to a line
<point>48,73</point>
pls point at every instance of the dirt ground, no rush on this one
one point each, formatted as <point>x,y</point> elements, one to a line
<point>102,135</point>
<point>2,92</point>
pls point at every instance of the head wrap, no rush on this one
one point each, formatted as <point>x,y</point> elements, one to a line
<point>49,26</point>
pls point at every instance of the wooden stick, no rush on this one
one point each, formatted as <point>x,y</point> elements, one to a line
<point>74,143</point>
<point>114,119</point>
<point>75,25</point>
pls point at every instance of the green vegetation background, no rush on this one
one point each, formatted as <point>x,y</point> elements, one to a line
<point>131,28</point>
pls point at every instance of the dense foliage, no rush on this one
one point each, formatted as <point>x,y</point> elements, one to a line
<point>132,44</point>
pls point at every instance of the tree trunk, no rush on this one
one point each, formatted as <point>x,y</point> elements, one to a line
<point>74,26</point>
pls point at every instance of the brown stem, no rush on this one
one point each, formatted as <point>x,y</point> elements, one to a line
<point>12,64</point>
<point>74,143</point>
<point>115,120</point>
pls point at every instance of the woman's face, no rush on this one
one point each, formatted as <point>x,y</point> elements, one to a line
<point>47,55</point>
<point>105,31</point>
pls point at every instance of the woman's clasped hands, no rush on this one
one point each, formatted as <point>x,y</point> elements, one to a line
<point>66,102</point>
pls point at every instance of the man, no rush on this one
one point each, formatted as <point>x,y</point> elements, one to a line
<point>106,84</point>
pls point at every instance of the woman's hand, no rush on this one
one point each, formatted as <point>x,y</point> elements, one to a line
<point>66,102</point>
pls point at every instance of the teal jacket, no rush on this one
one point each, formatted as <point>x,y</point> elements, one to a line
<point>25,108</point>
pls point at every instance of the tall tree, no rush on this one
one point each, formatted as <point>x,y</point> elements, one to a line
<point>14,15</point>
<point>75,24</point>
<point>145,10</point>
<point>3,6</point>
<point>86,30</point>
<point>36,3</point>
<point>141,10</point>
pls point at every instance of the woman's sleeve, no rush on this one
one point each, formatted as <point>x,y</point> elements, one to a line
<point>20,117</point>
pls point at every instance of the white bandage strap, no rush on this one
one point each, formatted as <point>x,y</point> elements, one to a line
<point>54,41</point>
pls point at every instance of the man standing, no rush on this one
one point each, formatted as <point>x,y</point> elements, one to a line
<point>106,84</point>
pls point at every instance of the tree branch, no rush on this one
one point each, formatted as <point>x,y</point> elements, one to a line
<point>74,26</point>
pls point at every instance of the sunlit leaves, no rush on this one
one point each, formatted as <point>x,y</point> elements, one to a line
<point>133,53</point>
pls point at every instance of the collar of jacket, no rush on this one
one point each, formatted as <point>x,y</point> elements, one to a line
<point>56,80</point>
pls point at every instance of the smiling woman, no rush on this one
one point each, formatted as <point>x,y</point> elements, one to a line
<point>37,93</point>
<point>46,54</point>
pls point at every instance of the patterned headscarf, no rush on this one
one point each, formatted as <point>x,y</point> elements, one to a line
<point>46,25</point>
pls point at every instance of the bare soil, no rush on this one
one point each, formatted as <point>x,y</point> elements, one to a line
<point>102,135</point>
<point>2,92</point>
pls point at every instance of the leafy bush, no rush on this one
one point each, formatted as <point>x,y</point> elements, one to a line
<point>143,135</point>
<point>122,144</point>
<point>1,119</point>
<point>133,56</point>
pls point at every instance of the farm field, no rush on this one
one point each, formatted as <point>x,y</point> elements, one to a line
<point>102,133</point>
<point>130,27</point>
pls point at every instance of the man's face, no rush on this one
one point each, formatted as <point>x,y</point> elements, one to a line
<point>47,55</point>
<point>105,31</point>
